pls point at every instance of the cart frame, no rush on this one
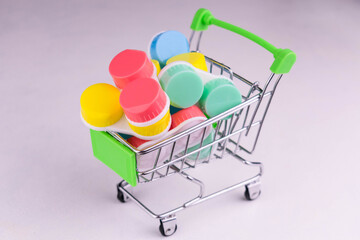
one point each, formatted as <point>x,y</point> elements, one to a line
<point>236,131</point>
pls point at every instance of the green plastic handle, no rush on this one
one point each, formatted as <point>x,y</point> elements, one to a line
<point>284,58</point>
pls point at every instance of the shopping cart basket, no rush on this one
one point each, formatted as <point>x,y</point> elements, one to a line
<point>236,133</point>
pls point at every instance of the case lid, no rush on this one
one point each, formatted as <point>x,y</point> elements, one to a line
<point>143,100</point>
<point>129,65</point>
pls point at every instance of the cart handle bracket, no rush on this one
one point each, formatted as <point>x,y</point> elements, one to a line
<point>284,58</point>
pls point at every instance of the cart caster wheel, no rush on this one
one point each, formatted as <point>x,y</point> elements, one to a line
<point>121,197</point>
<point>252,191</point>
<point>168,231</point>
<point>168,226</point>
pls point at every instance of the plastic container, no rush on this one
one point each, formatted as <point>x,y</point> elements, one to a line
<point>182,84</point>
<point>168,44</point>
<point>129,65</point>
<point>194,58</point>
<point>101,111</point>
<point>219,95</point>
<point>100,105</point>
<point>143,101</point>
<point>157,66</point>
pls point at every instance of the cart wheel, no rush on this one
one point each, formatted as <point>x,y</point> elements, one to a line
<point>121,197</point>
<point>252,194</point>
<point>167,232</point>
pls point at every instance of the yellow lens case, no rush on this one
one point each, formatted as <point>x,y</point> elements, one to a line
<point>153,129</point>
<point>100,105</point>
<point>194,58</point>
<point>157,66</point>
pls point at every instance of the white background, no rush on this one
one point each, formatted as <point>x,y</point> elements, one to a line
<point>51,186</point>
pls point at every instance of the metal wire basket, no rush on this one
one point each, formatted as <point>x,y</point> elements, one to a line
<point>235,132</point>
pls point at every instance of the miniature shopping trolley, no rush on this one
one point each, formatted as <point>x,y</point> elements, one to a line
<point>236,133</point>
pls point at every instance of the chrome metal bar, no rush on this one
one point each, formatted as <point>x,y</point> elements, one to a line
<point>171,155</point>
<point>241,147</point>
<point>200,125</point>
<point>251,90</point>
<point>185,152</point>
<point>123,185</point>
<point>265,112</point>
<point>120,139</point>
<point>231,74</point>
<point>213,146</point>
<point>201,144</point>
<point>222,135</point>
<point>237,143</point>
<point>174,138</point>
<point>195,180</point>
<point>190,130</point>
<point>247,82</point>
<point>145,179</point>
<point>188,164</point>
<point>243,125</point>
<point>196,200</point>
<point>199,40</point>
<point>258,104</point>
<point>228,189</point>
<point>191,37</point>
<point>237,117</point>
<point>228,132</point>
<point>247,162</point>
<point>195,151</point>
<point>156,162</point>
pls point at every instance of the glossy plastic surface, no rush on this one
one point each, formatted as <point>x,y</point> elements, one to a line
<point>182,84</point>
<point>143,100</point>
<point>194,58</point>
<point>154,129</point>
<point>115,155</point>
<point>219,95</point>
<point>168,44</point>
<point>129,65</point>
<point>185,114</point>
<point>284,58</point>
<point>157,66</point>
<point>100,105</point>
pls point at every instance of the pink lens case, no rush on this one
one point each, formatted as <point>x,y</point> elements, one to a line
<point>129,65</point>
